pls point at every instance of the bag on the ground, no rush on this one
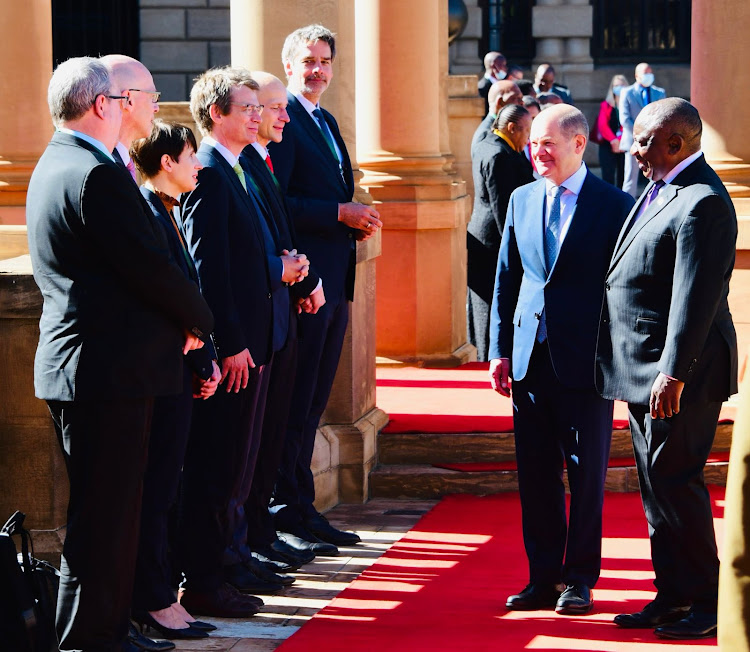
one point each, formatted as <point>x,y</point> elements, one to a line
<point>28,593</point>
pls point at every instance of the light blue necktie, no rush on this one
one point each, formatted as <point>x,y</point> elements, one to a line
<point>551,248</point>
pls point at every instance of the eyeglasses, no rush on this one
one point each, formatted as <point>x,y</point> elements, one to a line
<point>116,97</point>
<point>155,95</point>
<point>249,108</point>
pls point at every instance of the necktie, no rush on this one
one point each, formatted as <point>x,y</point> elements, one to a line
<point>324,130</point>
<point>552,233</point>
<point>658,185</point>
<point>240,174</point>
<point>131,168</point>
<point>268,162</point>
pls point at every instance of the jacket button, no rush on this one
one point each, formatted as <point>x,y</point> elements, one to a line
<point>350,235</point>
<point>269,295</point>
<point>606,285</point>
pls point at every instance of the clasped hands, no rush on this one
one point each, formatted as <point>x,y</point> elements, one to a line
<point>296,266</point>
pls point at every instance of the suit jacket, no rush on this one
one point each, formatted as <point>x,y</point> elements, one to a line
<point>199,360</point>
<point>570,294</point>
<point>269,186</point>
<point>483,87</point>
<point>498,170</point>
<point>630,105</point>
<point>115,304</point>
<point>225,232</point>
<point>481,132</point>
<point>310,179</point>
<point>666,307</point>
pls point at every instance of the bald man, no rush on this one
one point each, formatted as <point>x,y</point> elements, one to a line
<point>501,94</point>
<point>667,346</point>
<point>557,240</point>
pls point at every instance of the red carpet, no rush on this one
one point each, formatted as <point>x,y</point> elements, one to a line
<point>443,587</point>
<point>455,400</point>
<point>614,462</point>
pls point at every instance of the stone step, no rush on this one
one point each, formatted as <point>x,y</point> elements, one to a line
<point>430,448</point>
<point>424,481</point>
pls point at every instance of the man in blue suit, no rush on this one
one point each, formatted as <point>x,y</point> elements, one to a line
<point>632,100</point>
<point>314,171</point>
<point>558,237</point>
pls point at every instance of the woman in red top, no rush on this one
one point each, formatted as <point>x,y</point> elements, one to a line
<point>608,132</point>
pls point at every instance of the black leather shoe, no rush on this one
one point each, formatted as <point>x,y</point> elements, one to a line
<point>200,624</point>
<point>533,597</point>
<point>655,613</point>
<point>266,575</point>
<point>246,581</point>
<point>147,621</point>
<point>223,602</point>
<point>321,528</point>
<point>141,642</point>
<point>272,565</point>
<point>278,550</point>
<point>575,599</point>
<point>694,625</point>
<point>305,541</point>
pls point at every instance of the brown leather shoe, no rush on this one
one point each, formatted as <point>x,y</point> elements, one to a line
<point>224,602</point>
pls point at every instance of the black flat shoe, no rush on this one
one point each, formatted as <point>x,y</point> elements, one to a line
<point>534,597</point>
<point>305,541</point>
<point>575,599</point>
<point>321,528</point>
<point>656,613</point>
<point>206,627</point>
<point>145,619</point>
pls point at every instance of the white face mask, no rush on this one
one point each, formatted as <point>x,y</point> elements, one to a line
<point>647,79</point>
<point>500,75</point>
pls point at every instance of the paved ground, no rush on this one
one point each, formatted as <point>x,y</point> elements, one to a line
<point>380,522</point>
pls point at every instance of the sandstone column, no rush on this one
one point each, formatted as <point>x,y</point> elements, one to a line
<point>717,31</point>
<point>401,113</point>
<point>345,447</point>
<point>25,126</point>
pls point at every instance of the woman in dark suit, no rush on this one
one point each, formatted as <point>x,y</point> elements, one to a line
<point>499,167</point>
<point>167,162</point>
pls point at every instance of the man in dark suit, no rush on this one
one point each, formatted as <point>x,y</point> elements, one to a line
<point>243,279</point>
<point>495,69</point>
<point>313,168</point>
<point>667,346</point>
<point>558,238</point>
<point>544,82</point>
<point>118,315</point>
<point>501,94</point>
<point>499,167</point>
<point>261,533</point>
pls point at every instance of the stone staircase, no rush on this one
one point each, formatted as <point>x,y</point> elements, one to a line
<point>405,464</point>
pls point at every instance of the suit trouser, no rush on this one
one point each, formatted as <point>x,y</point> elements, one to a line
<point>170,426</point>
<point>555,424</point>
<point>631,175</point>
<point>104,443</point>
<point>260,527</point>
<point>223,442</point>
<point>321,338</point>
<point>670,455</point>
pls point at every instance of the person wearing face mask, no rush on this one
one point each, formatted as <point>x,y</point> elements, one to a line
<point>608,132</point>
<point>632,100</point>
<point>495,69</point>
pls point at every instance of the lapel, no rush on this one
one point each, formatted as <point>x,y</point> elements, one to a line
<point>626,237</point>
<point>251,174</point>
<point>535,217</point>
<point>581,221</point>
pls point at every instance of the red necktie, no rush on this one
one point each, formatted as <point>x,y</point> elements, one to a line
<point>268,162</point>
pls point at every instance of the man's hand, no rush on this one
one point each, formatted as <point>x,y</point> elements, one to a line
<point>314,302</point>
<point>192,342</point>
<point>236,370</point>
<point>499,372</point>
<point>359,216</point>
<point>207,388</point>
<point>296,266</point>
<point>665,397</point>
<point>615,145</point>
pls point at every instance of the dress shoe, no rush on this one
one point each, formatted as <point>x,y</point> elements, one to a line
<point>655,613</point>
<point>277,550</point>
<point>575,599</point>
<point>273,566</point>
<point>246,581</point>
<point>270,576</point>
<point>304,541</point>
<point>146,620</point>
<point>224,602</point>
<point>321,528</point>
<point>141,642</point>
<point>206,627</point>
<point>695,625</point>
<point>533,597</point>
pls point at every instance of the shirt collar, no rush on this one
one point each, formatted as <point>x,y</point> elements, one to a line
<point>669,178</point>
<point>89,139</point>
<point>228,156</point>
<point>572,184</point>
<point>263,151</point>
<point>123,152</point>
<point>307,104</point>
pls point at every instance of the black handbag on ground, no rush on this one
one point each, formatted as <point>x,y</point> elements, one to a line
<point>28,593</point>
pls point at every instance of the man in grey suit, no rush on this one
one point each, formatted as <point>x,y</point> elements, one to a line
<point>667,346</point>
<point>632,100</point>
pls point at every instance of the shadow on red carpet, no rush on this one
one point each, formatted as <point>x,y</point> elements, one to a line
<point>443,586</point>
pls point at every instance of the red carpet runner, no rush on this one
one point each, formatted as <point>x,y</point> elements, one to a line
<point>442,587</point>
<point>455,400</point>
